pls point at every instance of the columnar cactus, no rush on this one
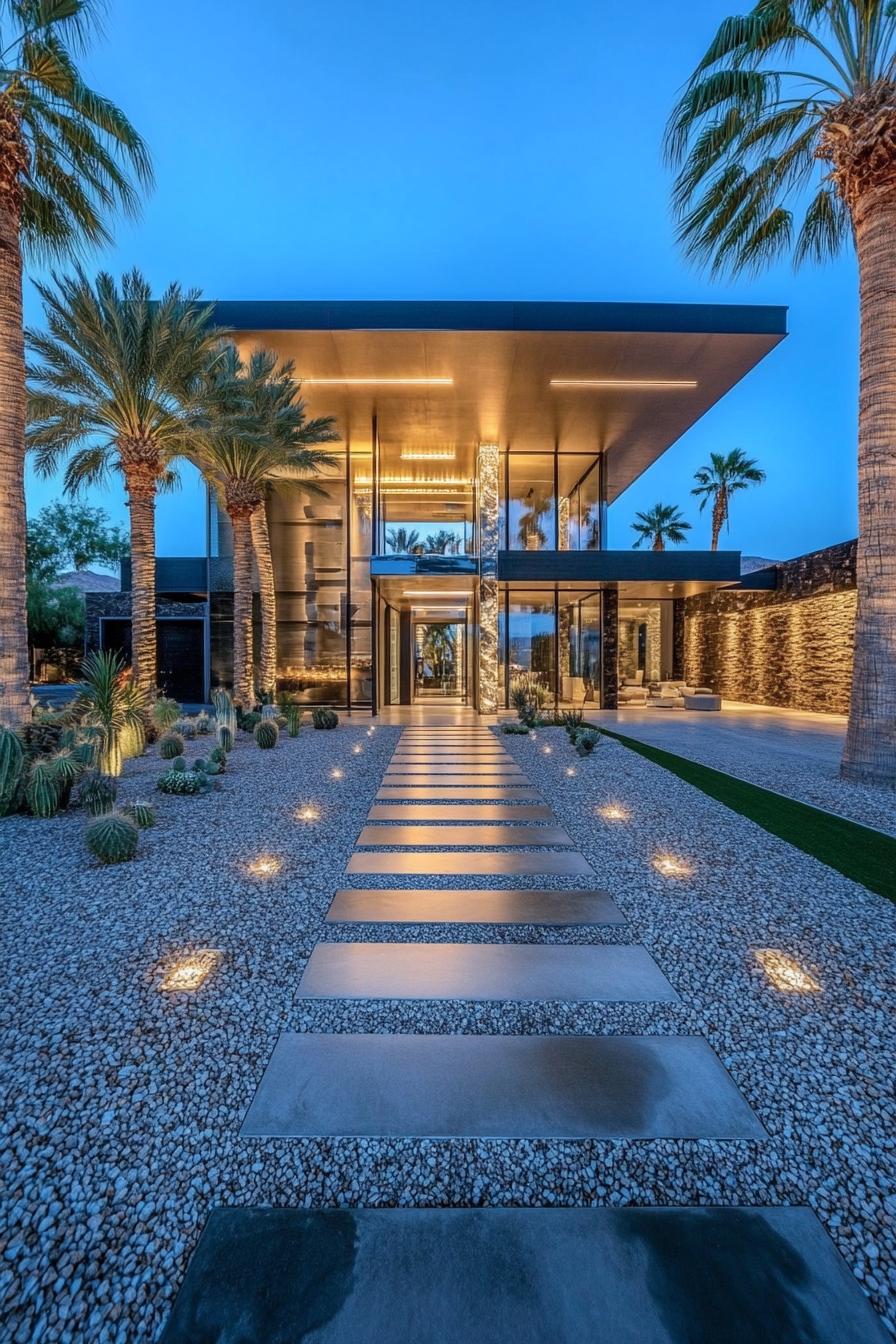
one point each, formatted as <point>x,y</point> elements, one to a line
<point>11,765</point>
<point>225,716</point>
<point>294,720</point>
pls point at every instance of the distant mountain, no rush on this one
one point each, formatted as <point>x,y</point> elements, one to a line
<point>750,563</point>
<point>88,581</point>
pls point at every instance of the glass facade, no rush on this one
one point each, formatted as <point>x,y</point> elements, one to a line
<point>555,635</point>
<point>550,502</point>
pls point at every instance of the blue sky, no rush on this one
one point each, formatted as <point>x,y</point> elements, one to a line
<point>488,150</point>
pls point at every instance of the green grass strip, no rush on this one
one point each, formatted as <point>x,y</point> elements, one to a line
<point>858,852</point>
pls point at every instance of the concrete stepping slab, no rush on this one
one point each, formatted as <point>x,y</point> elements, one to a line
<point>559,863</point>
<point>464,835</point>
<point>478,757</point>
<point>520,1276</point>
<point>450,767</point>
<point>603,973</point>
<point>460,812</point>
<point>372,905</point>
<point>460,792</point>
<point>463,748</point>
<point>403,779</point>
<point>501,1087</point>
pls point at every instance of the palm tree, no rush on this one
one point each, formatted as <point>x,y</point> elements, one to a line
<point>112,388</point>
<point>793,108</point>
<point>658,525</point>
<point>68,158</point>
<point>401,540</point>
<point>254,430</point>
<point>442,542</point>
<point>726,474</point>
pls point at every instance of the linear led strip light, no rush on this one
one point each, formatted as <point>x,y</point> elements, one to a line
<point>380,382</point>
<point>645,384</point>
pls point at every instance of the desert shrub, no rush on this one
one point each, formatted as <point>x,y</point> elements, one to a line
<point>112,838</point>
<point>204,725</point>
<point>165,713</point>
<point>514,728</point>
<point>572,722</point>
<point>528,697</point>
<point>266,734</point>
<point>96,793</point>
<point>142,815</point>
<point>171,745</point>
<point>219,756</point>
<point>186,727</point>
<point>324,718</point>
<point>182,782</point>
<point>585,740</point>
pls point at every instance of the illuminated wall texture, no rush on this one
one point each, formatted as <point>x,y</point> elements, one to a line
<point>791,647</point>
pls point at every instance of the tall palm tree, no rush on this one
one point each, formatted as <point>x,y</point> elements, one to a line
<point>443,542</point>
<point>401,540</point>
<point>726,474</point>
<point>793,109</point>
<point>112,386</point>
<point>658,525</point>
<point>68,158</point>
<point>254,430</point>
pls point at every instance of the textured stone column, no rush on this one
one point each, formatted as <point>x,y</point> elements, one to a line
<point>609,648</point>
<point>678,659</point>
<point>487,472</point>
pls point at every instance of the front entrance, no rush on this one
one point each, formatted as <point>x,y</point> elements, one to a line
<point>440,662</point>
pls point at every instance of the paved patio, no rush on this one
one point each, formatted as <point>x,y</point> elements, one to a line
<point>788,751</point>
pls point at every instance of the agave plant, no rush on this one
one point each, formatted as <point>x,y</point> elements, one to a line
<point>111,702</point>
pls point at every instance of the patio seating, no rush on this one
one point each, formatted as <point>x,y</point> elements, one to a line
<point>703,699</point>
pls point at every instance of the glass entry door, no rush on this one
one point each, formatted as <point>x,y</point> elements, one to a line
<point>440,661</point>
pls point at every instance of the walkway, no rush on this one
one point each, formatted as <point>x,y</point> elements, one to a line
<point>454,807</point>
<point>790,752</point>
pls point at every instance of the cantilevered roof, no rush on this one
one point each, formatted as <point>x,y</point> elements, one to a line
<point>626,379</point>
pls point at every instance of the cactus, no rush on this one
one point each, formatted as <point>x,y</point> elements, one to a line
<point>11,766</point>
<point>266,734</point>
<point>200,764</point>
<point>165,713</point>
<point>141,814</point>
<point>182,781</point>
<point>96,793</point>
<point>293,720</point>
<point>132,740</point>
<point>112,838</point>
<point>218,756</point>
<point>585,740</point>
<point>324,718</point>
<point>171,745</point>
<point>42,787</point>
<point>269,711</point>
<point>225,738</point>
<point>178,763</point>
<point>203,725</point>
<point>248,721</point>
<point>213,768</point>
<point>186,728</point>
<point>225,716</point>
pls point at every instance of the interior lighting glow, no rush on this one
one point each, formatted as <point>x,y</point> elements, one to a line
<point>266,865</point>
<point>191,970</point>
<point>670,865</point>
<point>428,454</point>
<point>645,384</point>
<point>380,382</point>
<point>785,973</point>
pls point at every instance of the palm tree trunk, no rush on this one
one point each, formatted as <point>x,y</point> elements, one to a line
<point>243,678</point>
<point>141,488</point>
<point>261,543</point>
<point>658,543</point>
<point>14,706</point>
<point>869,754</point>
<point>719,514</point>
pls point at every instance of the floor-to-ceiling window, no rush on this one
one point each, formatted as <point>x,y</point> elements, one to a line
<point>549,501</point>
<point>579,635</point>
<point>645,641</point>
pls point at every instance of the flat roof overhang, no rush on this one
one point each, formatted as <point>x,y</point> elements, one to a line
<point>499,360</point>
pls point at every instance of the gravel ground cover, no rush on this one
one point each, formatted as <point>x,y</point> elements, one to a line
<point>122,1122</point>
<point>788,754</point>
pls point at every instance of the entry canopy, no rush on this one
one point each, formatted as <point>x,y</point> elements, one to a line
<point>441,377</point>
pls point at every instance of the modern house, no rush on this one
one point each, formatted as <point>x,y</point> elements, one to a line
<point>462,538</point>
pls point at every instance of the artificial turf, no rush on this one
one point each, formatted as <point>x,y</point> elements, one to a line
<point>859,852</point>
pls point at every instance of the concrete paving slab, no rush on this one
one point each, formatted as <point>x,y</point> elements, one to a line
<point>525,905</point>
<point>472,768</point>
<point>519,1276</point>
<point>560,863</point>
<point>403,778</point>
<point>604,973</point>
<point>459,792</point>
<point>460,812</point>
<point>572,1087</point>
<point>463,835</point>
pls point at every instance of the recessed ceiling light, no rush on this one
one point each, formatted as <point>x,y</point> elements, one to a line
<point>428,454</point>
<point>380,382</point>
<point>645,383</point>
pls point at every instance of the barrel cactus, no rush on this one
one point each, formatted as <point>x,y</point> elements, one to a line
<point>42,787</point>
<point>182,782</point>
<point>324,718</point>
<point>96,793</point>
<point>171,745</point>
<point>143,815</point>
<point>178,763</point>
<point>248,721</point>
<point>112,838</point>
<point>266,734</point>
<point>11,767</point>
<point>203,725</point>
<point>219,756</point>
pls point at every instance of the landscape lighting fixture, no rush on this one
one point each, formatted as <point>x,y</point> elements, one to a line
<point>642,384</point>
<point>785,973</point>
<point>570,771</point>
<point>357,749</point>
<point>672,866</point>
<point>266,865</point>
<point>308,812</point>
<point>546,751</point>
<point>614,812</point>
<point>337,773</point>
<point>191,971</point>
